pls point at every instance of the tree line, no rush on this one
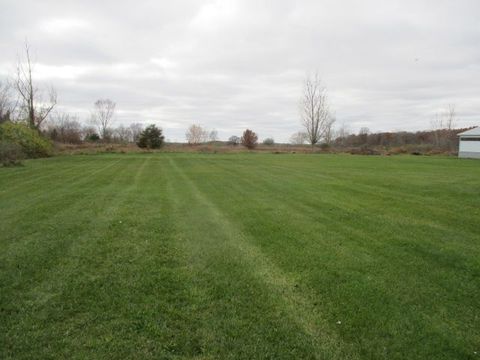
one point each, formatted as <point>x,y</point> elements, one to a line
<point>22,101</point>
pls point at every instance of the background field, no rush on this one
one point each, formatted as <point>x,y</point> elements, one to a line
<point>240,256</point>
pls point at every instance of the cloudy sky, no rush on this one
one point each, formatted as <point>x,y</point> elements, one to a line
<point>233,64</point>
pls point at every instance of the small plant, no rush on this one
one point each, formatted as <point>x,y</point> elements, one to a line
<point>249,139</point>
<point>11,154</point>
<point>151,138</point>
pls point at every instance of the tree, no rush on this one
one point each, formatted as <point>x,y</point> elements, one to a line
<point>269,141</point>
<point>213,136</point>
<point>136,129</point>
<point>341,134</point>
<point>65,128</point>
<point>314,110</point>
<point>7,105</point>
<point>298,138</point>
<point>445,119</point>
<point>151,138</point>
<point>196,135</point>
<point>442,124</point>
<point>102,116</point>
<point>233,140</point>
<point>34,107</point>
<point>249,139</point>
<point>90,134</point>
<point>122,134</point>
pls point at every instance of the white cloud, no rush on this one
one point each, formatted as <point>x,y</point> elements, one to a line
<point>63,26</point>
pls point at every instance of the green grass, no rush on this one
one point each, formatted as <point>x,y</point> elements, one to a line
<point>240,256</point>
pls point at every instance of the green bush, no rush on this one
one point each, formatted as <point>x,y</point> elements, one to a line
<point>32,143</point>
<point>11,154</point>
<point>151,138</point>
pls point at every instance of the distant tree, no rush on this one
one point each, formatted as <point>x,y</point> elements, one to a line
<point>151,138</point>
<point>249,139</point>
<point>213,136</point>
<point>363,135</point>
<point>92,137</point>
<point>196,135</point>
<point>442,124</point>
<point>341,134</point>
<point>136,129</point>
<point>269,141</point>
<point>102,116</point>
<point>314,110</point>
<point>233,140</point>
<point>7,104</point>
<point>122,134</point>
<point>65,128</point>
<point>299,138</point>
<point>34,107</point>
<point>89,133</point>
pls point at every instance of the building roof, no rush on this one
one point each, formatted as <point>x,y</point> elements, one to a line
<point>471,132</point>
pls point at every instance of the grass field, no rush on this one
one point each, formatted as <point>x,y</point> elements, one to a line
<point>240,256</point>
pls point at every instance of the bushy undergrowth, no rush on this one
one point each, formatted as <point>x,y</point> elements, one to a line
<point>31,142</point>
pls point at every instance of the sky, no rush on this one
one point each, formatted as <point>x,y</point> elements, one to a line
<point>229,65</point>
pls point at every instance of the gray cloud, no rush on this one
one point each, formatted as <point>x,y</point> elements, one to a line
<point>231,64</point>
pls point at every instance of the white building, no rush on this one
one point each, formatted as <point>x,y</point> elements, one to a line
<point>469,143</point>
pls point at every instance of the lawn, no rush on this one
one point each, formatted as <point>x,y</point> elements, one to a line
<point>240,256</point>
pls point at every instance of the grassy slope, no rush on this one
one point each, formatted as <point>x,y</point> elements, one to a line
<point>240,256</point>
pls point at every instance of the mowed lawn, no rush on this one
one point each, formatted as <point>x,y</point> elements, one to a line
<point>240,256</point>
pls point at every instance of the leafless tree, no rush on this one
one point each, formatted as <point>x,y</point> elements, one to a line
<point>329,131</point>
<point>342,133</point>
<point>89,133</point>
<point>233,140</point>
<point>314,109</point>
<point>445,119</point>
<point>299,138</point>
<point>33,105</point>
<point>196,135</point>
<point>7,104</point>
<point>213,136</point>
<point>442,123</point>
<point>64,127</point>
<point>136,130</point>
<point>123,134</point>
<point>102,116</point>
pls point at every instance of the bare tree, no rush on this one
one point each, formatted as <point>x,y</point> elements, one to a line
<point>136,130</point>
<point>314,109</point>
<point>65,128</point>
<point>102,116</point>
<point>233,140</point>
<point>34,107</point>
<point>7,104</point>
<point>196,135</point>
<point>122,134</point>
<point>341,134</point>
<point>442,124</point>
<point>213,136</point>
<point>329,132</point>
<point>299,138</point>
<point>445,119</point>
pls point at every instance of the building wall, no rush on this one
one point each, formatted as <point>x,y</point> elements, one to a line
<point>469,148</point>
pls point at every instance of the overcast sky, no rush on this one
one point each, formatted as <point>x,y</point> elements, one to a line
<point>229,65</point>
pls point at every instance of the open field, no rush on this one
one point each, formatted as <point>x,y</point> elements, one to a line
<point>240,256</point>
